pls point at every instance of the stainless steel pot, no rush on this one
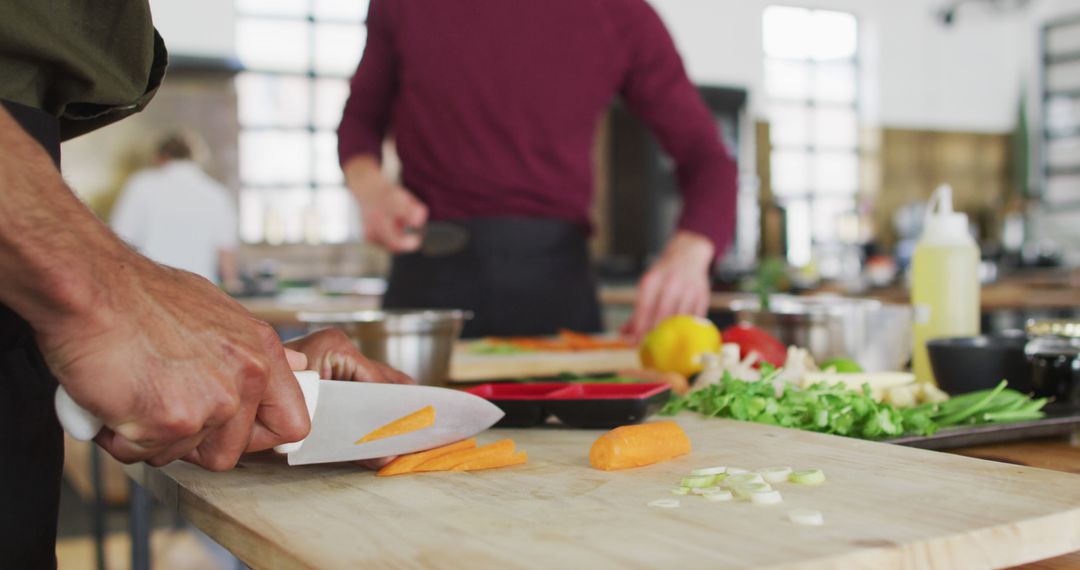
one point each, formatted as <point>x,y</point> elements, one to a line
<point>419,343</point>
<point>876,335</point>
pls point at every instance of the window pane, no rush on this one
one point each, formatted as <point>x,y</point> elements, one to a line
<point>273,216</point>
<point>273,7</point>
<point>286,210</point>
<point>1064,40</point>
<point>272,101</point>
<point>835,82</point>
<point>798,232</point>
<point>350,10</point>
<point>338,215</point>
<point>272,44</point>
<point>330,96</point>
<point>831,219</point>
<point>833,35</point>
<point>786,32</point>
<point>251,215</point>
<point>327,168</point>
<point>1063,153</point>
<point>1062,114</point>
<point>789,125</point>
<point>836,173</point>
<point>1063,76</point>
<point>275,157</point>
<point>836,127</point>
<point>787,79</point>
<point>1062,189</point>
<point>790,172</point>
<point>338,48</point>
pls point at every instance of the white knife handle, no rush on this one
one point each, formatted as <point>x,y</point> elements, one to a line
<point>84,426</point>
<point>79,423</point>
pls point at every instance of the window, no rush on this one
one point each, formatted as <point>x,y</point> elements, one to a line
<point>298,56</point>
<point>811,88</point>
<point>1061,114</point>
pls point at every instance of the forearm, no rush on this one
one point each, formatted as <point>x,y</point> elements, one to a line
<point>364,178</point>
<point>710,198</point>
<point>691,248</point>
<point>55,255</point>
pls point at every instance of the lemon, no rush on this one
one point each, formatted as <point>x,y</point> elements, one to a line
<point>677,343</point>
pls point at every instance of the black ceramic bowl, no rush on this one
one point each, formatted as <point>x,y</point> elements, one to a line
<point>967,364</point>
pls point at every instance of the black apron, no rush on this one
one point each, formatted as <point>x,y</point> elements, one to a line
<point>31,441</point>
<point>518,276</point>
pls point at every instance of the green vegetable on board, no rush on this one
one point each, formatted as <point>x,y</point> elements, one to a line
<point>840,410</point>
<point>842,365</point>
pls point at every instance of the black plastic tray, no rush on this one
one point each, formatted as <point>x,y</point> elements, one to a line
<point>581,405</point>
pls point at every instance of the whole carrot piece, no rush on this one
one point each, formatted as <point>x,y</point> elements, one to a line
<point>634,446</point>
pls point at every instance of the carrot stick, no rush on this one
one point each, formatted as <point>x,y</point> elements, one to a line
<point>406,463</point>
<point>450,460</point>
<point>634,446</point>
<point>420,419</point>
<point>491,462</point>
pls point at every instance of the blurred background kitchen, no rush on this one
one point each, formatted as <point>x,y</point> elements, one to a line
<point>844,115</point>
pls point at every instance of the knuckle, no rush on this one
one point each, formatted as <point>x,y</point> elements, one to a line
<point>336,336</point>
<point>267,334</point>
<point>228,405</point>
<point>220,462</point>
<point>180,423</point>
<point>159,461</point>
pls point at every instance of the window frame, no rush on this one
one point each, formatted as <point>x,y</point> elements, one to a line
<point>311,128</point>
<point>814,194</point>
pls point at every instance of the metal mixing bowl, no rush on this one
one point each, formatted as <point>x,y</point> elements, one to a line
<point>419,343</point>
<point>876,335</point>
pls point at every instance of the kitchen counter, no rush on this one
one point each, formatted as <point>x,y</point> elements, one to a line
<point>883,508</point>
<point>282,312</point>
<point>1045,290</point>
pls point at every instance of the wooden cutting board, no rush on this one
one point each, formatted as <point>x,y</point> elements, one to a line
<point>472,367</point>
<point>885,506</point>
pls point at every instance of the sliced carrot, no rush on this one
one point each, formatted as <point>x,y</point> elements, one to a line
<point>406,463</point>
<point>420,419</point>
<point>446,462</point>
<point>579,341</point>
<point>492,461</point>
<point>567,341</point>
<point>634,446</point>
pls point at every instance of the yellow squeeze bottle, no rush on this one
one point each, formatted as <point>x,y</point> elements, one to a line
<point>944,280</point>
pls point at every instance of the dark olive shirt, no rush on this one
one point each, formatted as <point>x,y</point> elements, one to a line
<point>87,63</point>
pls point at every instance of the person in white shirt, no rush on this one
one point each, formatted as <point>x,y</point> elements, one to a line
<point>179,216</point>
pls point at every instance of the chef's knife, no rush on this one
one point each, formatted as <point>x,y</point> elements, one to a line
<point>343,412</point>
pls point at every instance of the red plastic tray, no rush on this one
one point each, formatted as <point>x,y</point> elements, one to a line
<point>598,405</point>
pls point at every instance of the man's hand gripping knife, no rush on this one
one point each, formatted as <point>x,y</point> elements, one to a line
<point>173,366</point>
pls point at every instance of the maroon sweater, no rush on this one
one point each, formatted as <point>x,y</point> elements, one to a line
<point>494,105</point>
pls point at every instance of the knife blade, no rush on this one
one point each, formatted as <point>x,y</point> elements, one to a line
<point>342,412</point>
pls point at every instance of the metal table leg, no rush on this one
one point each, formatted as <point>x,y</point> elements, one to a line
<point>139,525</point>
<point>97,507</point>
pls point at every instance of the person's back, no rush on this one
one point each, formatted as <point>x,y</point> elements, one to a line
<point>178,216</point>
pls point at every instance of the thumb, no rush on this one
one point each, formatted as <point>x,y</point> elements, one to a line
<point>282,416</point>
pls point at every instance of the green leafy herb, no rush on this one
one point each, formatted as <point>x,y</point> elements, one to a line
<point>839,410</point>
<point>769,278</point>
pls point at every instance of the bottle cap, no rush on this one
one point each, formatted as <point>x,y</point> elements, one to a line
<point>941,223</point>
